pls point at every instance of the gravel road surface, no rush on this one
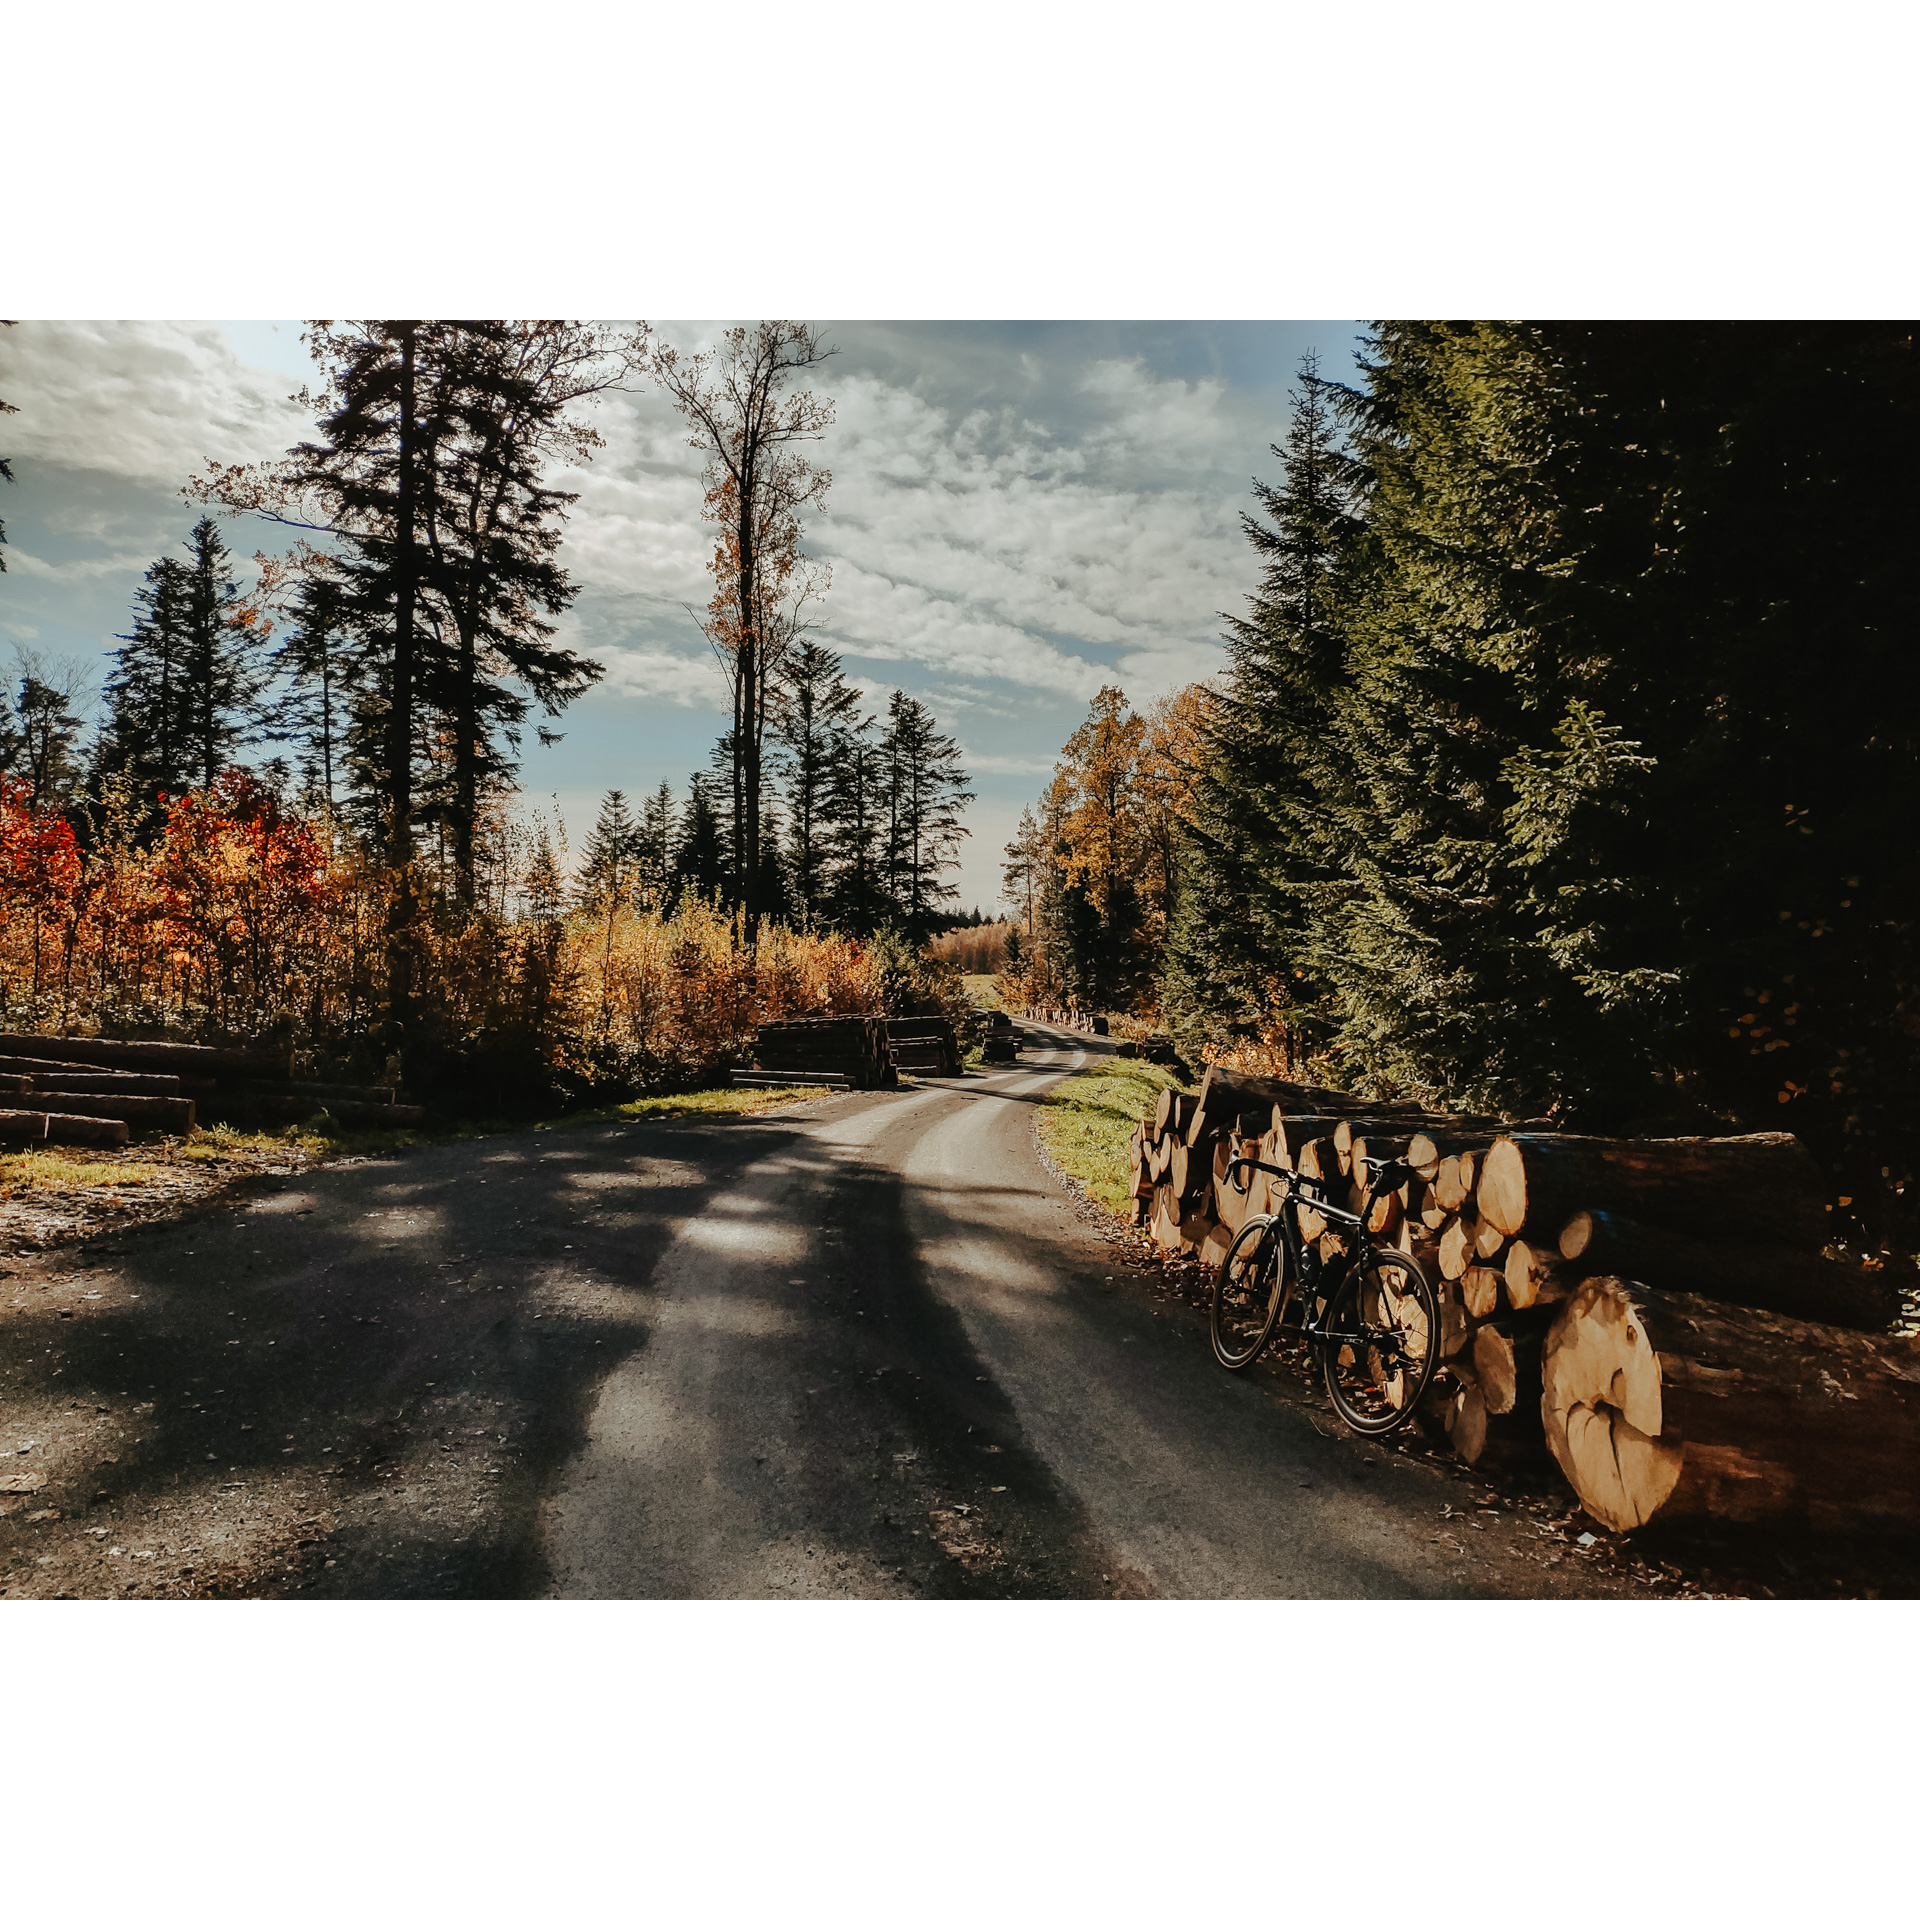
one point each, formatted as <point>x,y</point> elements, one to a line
<point>866,1345</point>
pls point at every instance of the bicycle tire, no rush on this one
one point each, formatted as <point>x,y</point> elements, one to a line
<point>1249,1292</point>
<point>1386,1293</point>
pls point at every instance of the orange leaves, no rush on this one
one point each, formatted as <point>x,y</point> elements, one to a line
<point>39,858</point>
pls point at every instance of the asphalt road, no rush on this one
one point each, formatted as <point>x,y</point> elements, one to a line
<point>865,1345</point>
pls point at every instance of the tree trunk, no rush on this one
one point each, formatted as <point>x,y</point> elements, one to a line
<point>1787,1280</point>
<point>1752,1186</point>
<point>400,716</point>
<point>1675,1405</point>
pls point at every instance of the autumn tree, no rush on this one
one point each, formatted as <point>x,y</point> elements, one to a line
<point>751,426</point>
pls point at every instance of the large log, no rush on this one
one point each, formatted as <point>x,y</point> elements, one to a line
<point>159,1056</point>
<point>1750,1186</point>
<point>1674,1405</point>
<point>153,1109</point>
<point>168,1085</point>
<point>1789,1280</point>
<point>72,1129</point>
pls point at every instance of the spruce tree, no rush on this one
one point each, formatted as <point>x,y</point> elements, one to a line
<point>816,706</point>
<point>148,728</point>
<point>700,849</point>
<point>928,790</point>
<point>609,862</point>
<point>656,839</point>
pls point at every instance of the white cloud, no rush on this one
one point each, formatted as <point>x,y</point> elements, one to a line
<point>652,673</point>
<point>149,400</point>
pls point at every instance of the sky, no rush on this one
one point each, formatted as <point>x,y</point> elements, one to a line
<point>1020,514</point>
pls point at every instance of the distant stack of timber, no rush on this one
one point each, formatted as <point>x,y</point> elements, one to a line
<point>848,1054</point>
<point>925,1046</point>
<point>1589,1286</point>
<point>87,1092</point>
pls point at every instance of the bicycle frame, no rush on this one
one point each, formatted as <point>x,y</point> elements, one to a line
<point>1336,1273</point>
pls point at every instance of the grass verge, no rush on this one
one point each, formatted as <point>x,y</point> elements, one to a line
<point>708,1101</point>
<point>51,1169</point>
<point>1085,1122</point>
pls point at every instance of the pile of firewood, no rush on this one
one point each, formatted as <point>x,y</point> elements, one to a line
<point>1659,1314</point>
<point>88,1092</point>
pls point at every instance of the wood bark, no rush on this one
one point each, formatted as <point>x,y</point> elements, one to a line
<point>1750,1186</point>
<point>1674,1405</point>
<point>169,1085</point>
<point>175,1115</point>
<point>1789,1280</point>
<point>156,1056</point>
<point>72,1129</point>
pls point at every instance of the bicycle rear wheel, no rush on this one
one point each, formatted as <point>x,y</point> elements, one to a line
<point>1382,1342</point>
<point>1248,1293</point>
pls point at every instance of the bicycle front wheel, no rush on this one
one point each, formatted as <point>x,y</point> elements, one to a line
<point>1382,1342</point>
<point>1248,1293</point>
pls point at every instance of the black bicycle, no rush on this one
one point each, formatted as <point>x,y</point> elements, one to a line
<point>1368,1309</point>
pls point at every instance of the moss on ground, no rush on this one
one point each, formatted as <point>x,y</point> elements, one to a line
<point>1086,1121</point>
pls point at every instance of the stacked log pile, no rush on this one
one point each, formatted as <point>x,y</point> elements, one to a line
<point>850,1053</point>
<point>1589,1287</point>
<point>87,1091</point>
<point>928,1046</point>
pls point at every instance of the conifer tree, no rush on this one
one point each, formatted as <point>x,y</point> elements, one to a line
<point>610,861</point>
<point>700,848</point>
<point>656,839</point>
<point>928,789</point>
<point>148,728</point>
<point>816,707</point>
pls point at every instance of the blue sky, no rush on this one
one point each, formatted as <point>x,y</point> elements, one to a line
<point>1020,513</point>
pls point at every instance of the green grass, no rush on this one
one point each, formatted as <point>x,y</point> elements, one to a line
<point>48,1167</point>
<point>982,989</point>
<point>1085,1124</point>
<point>708,1101</point>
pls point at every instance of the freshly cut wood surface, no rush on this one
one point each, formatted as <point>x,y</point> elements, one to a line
<point>1480,1291</point>
<point>1749,1186</point>
<point>1494,1367</point>
<point>1456,1247</point>
<point>1789,1280</point>
<point>1453,1181</point>
<point>1229,1203</point>
<point>1313,1223</point>
<point>1526,1267</point>
<point>1674,1404</point>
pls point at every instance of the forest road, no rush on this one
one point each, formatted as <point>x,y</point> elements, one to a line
<point>888,1356</point>
<point>860,1345</point>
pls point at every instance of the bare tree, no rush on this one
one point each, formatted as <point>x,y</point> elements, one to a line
<point>750,426</point>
